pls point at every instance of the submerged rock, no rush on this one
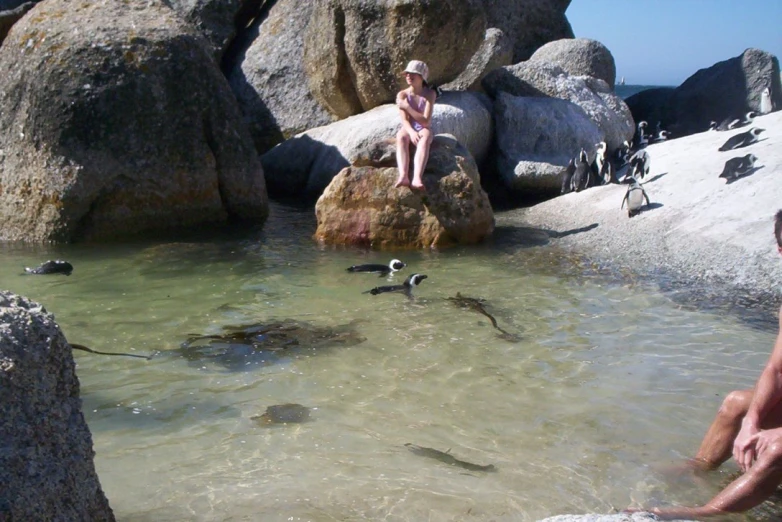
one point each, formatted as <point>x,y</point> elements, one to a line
<point>240,347</point>
<point>284,414</point>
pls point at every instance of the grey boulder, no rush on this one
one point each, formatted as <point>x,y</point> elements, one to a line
<point>579,57</point>
<point>98,137</point>
<point>46,456</point>
<point>532,78</point>
<point>308,162</point>
<point>536,138</point>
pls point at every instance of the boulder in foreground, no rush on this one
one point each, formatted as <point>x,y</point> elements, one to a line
<point>46,456</point>
<point>361,206</point>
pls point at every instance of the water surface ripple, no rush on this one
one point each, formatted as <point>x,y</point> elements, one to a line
<point>607,383</point>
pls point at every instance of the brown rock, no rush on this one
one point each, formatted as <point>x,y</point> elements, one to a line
<point>362,207</point>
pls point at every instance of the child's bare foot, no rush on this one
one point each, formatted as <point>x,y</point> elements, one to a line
<point>402,182</point>
<point>418,186</point>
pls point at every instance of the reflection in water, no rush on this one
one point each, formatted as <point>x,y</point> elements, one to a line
<point>609,380</point>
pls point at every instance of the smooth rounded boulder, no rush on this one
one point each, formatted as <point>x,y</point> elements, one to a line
<point>361,207</point>
<point>579,57</point>
<point>116,121</point>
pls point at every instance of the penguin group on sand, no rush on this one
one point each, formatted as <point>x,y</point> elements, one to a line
<point>738,167</point>
<point>733,122</point>
<point>742,139</point>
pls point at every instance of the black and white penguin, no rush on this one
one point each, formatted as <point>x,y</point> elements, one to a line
<point>567,179</point>
<point>661,136</point>
<point>411,282</point>
<point>393,266</point>
<point>52,267</point>
<point>738,167</point>
<point>580,179</point>
<point>603,167</point>
<point>766,103</point>
<point>742,139</point>
<point>634,197</point>
<point>639,138</point>
<point>640,163</point>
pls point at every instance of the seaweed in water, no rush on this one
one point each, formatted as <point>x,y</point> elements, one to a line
<point>244,346</point>
<point>446,458</point>
<point>476,305</point>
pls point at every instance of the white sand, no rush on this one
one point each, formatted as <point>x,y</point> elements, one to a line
<point>699,228</point>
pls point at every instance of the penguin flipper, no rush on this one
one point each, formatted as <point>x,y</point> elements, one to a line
<point>624,199</point>
<point>646,197</point>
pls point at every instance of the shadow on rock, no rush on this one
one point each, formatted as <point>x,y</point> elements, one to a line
<point>658,176</point>
<point>749,173</point>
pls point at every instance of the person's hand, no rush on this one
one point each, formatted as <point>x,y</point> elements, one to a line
<point>744,446</point>
<point>765,438</point>
<point>415,137</point>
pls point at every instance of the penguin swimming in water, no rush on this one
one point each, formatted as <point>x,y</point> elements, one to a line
<point>742,139</point>
<point>383,270</point>
<point>580,179</point>
<point>766,104</point>
<point>634,197</point>
<point>412,281</point>
<point>738,167</point>
<point>52,267</point>
<point>567,179</point>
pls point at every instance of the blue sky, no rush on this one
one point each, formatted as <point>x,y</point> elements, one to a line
<point>663,42</point>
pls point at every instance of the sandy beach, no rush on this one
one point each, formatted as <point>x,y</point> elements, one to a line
<point>698,228</point>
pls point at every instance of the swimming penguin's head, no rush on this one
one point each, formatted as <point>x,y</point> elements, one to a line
<point>396,264</point>
<point>414,279</point>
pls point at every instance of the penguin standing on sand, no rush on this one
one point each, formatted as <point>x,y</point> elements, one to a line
<point>411,282</point>
<point>639,139</point>
<point>580,179</point>
<point>634,197</point>
<point>742,139</point>
<point>567,179</point>
<point>383,270</point>
<point>738,167</point>
<point>602,167</point>
<point>766,104</point>
<point>640,163</point>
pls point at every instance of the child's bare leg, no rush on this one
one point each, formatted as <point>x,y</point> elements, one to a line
<point>402,158</point>
<point>421,157</point>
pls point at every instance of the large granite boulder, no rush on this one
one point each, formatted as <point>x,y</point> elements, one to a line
<point>218,20</point>
<point>726,89</point>
<point>579,57</point>
<point>98,137</point>
<point>529,23</point>
<point>46,457</point>
<point>535,140</point>
<point>651,106</point>
<point>362,207</point>
<point>495,51</point>
<point>355,51</point>
<point>269,78</point>
<point>10,14</point>
<point>307,163</point>
<point>532,78</point>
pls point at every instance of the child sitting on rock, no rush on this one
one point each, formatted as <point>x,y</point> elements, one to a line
<point>415,109</point>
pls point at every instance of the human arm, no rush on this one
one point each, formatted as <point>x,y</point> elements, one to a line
<point>424,118</point>
<point>768,392</point>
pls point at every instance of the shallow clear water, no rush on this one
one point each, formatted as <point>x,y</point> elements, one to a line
<point>608,384</point>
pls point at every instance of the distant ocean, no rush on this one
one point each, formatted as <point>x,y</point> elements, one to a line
<point>625,91</point>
